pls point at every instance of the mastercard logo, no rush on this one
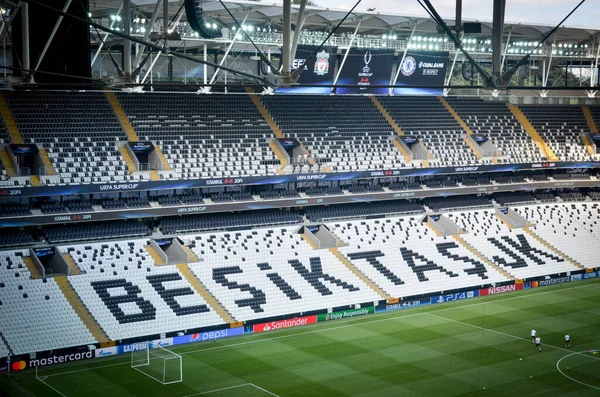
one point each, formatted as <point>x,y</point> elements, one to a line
<point>534,284</point>
<point>18,365</point>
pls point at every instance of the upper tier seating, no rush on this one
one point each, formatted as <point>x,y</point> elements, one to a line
<point>79,130</point>
<point>269,272</point>
<point>113,270</point>
<point>193,223</point>
<point>405,258</point>
<point>204,136</point>
<point>495,120</point>
<point>34,314</point>
<point>15,238</point>
<point>515,251</point>
<point>445,203</point>
<point>561,128</point>
<point>346,133</point>
<point>427,119</point>
<point>95,231</point>
<point>570,228</point>
<point>352,210</point>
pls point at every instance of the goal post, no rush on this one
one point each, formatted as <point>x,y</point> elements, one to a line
<point>158,363</point>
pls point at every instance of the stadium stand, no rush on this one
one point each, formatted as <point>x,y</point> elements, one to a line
<point>427,119</point>
<point>346,133</point>
<point>50,322</point>
<point>204,136</point>
<point>15,238</point>
<point>9,209</point>
<point>405,258</point>
<point>196,223</point>
<point>445,203</point>
<point>126,266</point>
<point>270,272</point>
<point>571,228</point>
<point>70,126</point>
<point>341,211</point>
<point>515,251</point>
<point>561,128</point>
<point>495,121</point>
<point>95,231</point>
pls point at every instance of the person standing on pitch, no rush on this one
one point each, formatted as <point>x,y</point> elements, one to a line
<point>533,333</point>
<point>538,343</point>
<point>567,340</point>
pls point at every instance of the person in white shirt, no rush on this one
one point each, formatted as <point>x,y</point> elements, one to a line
<point>567,340</point>
<point>538,343</point>
<point>533,333</point>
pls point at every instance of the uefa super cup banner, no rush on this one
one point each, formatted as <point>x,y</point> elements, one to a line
<point>419,70</point>
<point>366,68</point>
<point>320,70</point>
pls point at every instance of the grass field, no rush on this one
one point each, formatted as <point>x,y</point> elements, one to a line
<point>467,348</point>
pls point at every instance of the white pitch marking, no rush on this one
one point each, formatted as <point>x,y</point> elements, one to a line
<point>567,376</point>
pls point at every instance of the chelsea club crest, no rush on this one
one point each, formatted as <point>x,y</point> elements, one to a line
<point>322,63</point>
<point>408,66</point>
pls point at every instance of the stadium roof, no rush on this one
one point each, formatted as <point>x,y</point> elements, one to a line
<point>319,18</point>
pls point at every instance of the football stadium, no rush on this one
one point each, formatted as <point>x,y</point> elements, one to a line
<point>299,198</point>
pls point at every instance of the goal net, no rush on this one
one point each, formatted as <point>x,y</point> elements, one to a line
<point>158,363</point>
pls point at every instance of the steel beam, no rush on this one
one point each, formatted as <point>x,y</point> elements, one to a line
<point>106,36</point>
<point>212,80</point>
<point>142,48</point>
<point>403,56</point>
<point>127,42</point>
<point>497,36</point>
<point>165,18</point>
<point>337,76</point>
<point>25,36</point>
<point>299,25</point>
<point>505,50</point>
<point>286,53</point>
<point>52,34</point>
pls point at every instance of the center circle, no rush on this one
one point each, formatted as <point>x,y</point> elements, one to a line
<point>584,353</point>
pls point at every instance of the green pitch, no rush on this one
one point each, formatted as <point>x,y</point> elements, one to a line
<point>472,347</point>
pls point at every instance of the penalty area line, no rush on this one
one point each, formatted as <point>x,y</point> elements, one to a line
<point>47,384</point>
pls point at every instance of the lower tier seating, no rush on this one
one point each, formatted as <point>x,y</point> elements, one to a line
<point>34,314</point>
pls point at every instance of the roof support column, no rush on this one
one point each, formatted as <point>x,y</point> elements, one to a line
<point>149,72</point>
<point>337,76</point>
<point>165,18</point>
<point>25,33</point>
<point>497,36</point>
<point>402,60</point>
<point>447,80</point>
<point>299,25</point>
<point>204,57</point>
<point>127,42</point>
<point>287,33</point>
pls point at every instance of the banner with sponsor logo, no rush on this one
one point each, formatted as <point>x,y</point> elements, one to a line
<point>402,305</point>
<point>281,324</point>
<point>590,275</point>
<point>500,289</point>
<point>363,311</point>
<point>128,348</point>
<point>4,367</point>
<point>320,70</point>
<point>454,297</point>
<point>43,361</point>
<point>366,67</point>
<point>208,336</point>
<point>421,69</point>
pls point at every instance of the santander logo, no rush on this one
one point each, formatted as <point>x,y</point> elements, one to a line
<point>292,322</point>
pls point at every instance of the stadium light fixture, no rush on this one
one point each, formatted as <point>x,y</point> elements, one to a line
<point>385,36</point>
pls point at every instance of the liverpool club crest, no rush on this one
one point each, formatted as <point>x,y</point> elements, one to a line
<point>322,63</point>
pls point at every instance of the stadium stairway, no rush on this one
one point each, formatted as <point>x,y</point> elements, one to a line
<point>279,156</point>
<point>9,121</point>
<point>6,344</point>
<point>309,242</point>
<point>120,113</point>
<point>191,256</point>
<point>552,248</point>
<point>342,258</point>
<point>74,269</point>
<point>482,258</point>
<point>593,129</point>
<point>165,164</point>
<point>207,296</point>
<point>158,260</point>
<point>7,164</point>
<point>464,126</point>
<point>47,163</point>
<point>79,308</point>
<point>265,113</point>
<point>397,129</point>
<point>128,160</point>
<point>533,134</point>
<point>32,267</point>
